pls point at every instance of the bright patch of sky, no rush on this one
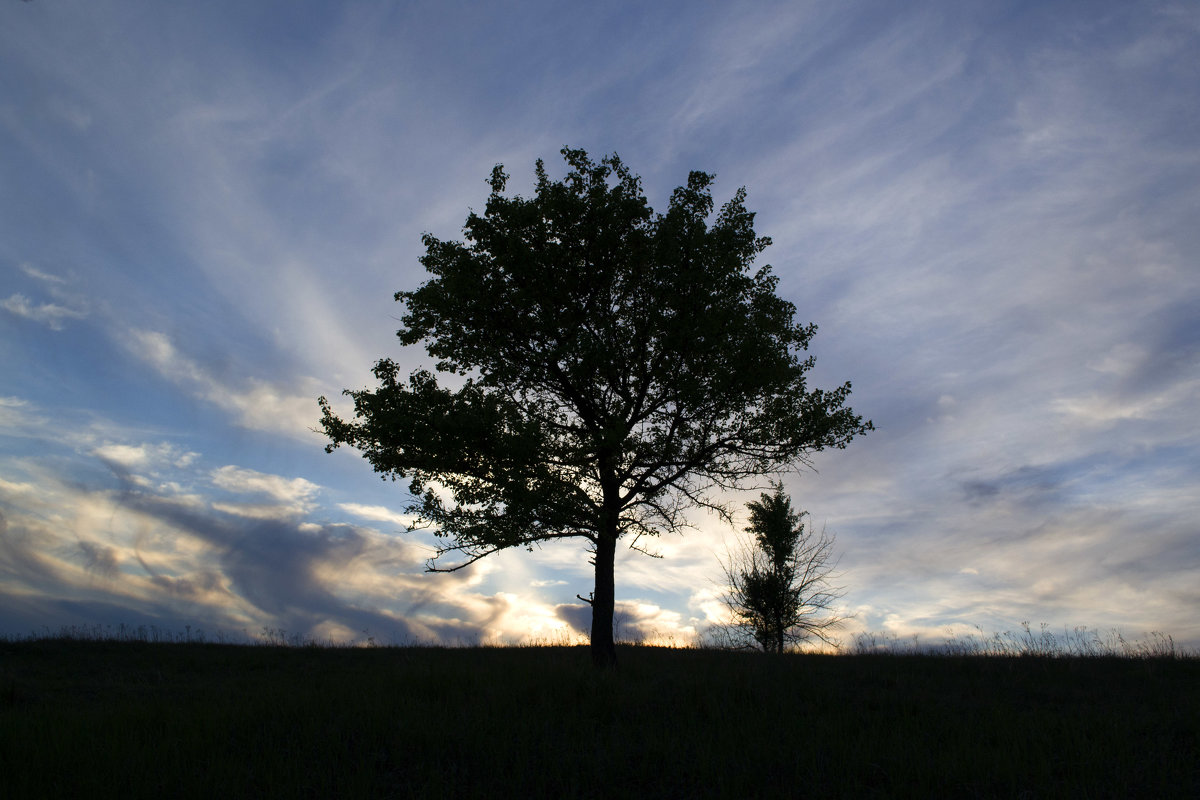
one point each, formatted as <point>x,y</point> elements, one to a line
<point>988,208</point>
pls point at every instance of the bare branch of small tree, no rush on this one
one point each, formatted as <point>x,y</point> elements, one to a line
<point>780,581</point>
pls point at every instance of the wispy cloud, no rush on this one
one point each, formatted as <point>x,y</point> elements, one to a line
<point>634,622</point>
<point>378,514</point>
<point>252,402</point>
<point>48,314</point>
<point>46,277</point>
<point>15,414</point>
<point>177,550</point>
<point>990,213</point>
<point>283,490</point>
<point>288,498</point>
<point>144,455</point>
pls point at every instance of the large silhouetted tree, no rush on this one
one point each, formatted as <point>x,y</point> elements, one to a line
<point>780,582</point>
<point>610,368</point>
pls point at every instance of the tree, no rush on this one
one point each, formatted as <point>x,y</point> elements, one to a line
<point>779,584</point>
<point>612,368</point>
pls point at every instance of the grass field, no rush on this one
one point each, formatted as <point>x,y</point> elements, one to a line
<point>83,718</point>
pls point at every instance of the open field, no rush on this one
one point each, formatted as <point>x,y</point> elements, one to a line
<point>143,719</point>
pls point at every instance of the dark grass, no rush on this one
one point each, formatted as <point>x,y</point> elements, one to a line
<point>171,719</point>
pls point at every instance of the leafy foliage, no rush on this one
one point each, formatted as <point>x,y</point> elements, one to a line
<point>617,367</point>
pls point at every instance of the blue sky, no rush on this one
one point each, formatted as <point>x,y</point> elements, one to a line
<point>988,208</point>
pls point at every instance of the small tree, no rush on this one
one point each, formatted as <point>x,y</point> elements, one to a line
<point>779,583</point>
<point>610,367</point>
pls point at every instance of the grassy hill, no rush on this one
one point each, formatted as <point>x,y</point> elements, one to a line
<point>142,719</point>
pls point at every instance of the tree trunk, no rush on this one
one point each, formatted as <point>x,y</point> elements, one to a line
<point>604,650</point>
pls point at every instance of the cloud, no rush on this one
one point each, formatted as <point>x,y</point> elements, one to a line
<point>290,491</point>
<point>634,621</point>
<point>182,560</point>
<point>13,414</point>
<point>145,455</point>
<point>99,558</point>
<point>172,543</point>
<point>34,272</point>
<point>124,454</point>
<point>378,514</point>
<point>290,497</point>
<point>1106,409</point>
<point>258,510</point>
<point>48,314</point>
<point>254,404</point>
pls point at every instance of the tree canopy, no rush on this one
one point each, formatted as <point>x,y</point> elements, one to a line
<point>611,368</point>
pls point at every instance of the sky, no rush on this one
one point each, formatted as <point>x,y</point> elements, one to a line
<point>988,208</point>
